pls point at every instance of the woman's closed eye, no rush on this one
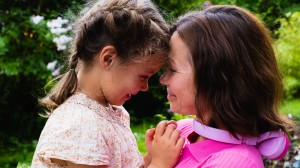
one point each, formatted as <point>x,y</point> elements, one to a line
<point>170,70</point>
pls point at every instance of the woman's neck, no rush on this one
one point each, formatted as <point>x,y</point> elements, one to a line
<point>194,137</point>
<point>209,122</point>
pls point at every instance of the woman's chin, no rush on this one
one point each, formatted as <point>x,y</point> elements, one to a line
<point>180,111</point>
<point>175,110</point>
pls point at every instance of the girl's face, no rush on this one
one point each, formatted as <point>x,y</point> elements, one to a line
<point>179,78</point>
<point>126,80</point>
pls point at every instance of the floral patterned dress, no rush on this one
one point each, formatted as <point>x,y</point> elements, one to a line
<point>83,131</point>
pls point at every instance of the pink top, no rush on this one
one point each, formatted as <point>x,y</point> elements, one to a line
<point>210,153</point>
<point>84,132</point>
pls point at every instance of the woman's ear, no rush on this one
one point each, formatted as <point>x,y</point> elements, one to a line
<point>107,57</point>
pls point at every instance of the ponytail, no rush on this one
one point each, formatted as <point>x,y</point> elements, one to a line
<point>66,86</point>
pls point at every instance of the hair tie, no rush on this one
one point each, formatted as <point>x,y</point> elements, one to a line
<point>72,70</point>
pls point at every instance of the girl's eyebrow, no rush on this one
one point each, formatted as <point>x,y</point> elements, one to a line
<point>150,72</point>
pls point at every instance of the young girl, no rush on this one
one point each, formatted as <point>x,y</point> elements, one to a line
<point>223,70</point>
<point>119,45</point>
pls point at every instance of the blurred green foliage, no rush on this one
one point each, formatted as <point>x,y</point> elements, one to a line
<point>288,49</point>
<point>16,151</point>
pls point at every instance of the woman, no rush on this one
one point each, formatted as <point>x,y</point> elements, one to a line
<point>222,68</point>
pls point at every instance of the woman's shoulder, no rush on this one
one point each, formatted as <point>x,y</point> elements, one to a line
<point>185,126</point>
<point>243,150</point>
<point>238,156</point>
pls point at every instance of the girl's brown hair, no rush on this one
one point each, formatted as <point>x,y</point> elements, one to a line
<point>134,27</point>
<point>235,69</point>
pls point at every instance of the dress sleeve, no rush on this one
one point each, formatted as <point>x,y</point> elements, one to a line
<point>76,135</point>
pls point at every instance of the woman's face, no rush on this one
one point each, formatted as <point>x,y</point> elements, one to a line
<point>179,78</point>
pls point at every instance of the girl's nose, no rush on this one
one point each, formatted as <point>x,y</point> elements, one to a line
<point>144,87</point>
<point>163,79</point>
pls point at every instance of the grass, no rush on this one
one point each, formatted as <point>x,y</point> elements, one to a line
<point>139,131</point>
<point>291,107</point>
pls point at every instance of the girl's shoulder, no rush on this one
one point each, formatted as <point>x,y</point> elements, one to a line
<point>72,109</point>
<point>79,104</point>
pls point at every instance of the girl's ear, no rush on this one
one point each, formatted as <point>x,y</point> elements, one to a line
<point>107,57</point>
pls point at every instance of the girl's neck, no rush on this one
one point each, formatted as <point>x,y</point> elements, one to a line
<point>89,85</point>
<point>92,95</point>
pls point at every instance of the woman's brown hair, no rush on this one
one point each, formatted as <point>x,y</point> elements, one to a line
<point>235,69</point>
<point>134,27</point>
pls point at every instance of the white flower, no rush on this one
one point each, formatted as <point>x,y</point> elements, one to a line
<point>61,42</point>
<point>58,27</point>
<point>51,65</point>
<point>290,116</point>
<point>295,137</point>
<point>298,156</point>
<point>286,164</point>
<point>37,19</point>
<point>207,4</point>
<point>56,72</point>
<point>57,23</point>
<point>61,47</point>
<point>60,30</point>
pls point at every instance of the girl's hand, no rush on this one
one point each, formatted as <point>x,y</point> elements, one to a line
<point>148,141</point>
<point>165,146</point>
<point>151,132</point>
<point>149,137</point>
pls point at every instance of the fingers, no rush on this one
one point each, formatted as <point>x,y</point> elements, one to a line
<point>175,135</point>
<point>149,137</point>
<point>150,134</point>
<point>172,122</point>
<point>167,139</point>
<point>160,128</point>
<point>180,142</point>
<point>169,131</point>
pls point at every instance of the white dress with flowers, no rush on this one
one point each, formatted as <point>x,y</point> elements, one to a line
<point>84,132</point>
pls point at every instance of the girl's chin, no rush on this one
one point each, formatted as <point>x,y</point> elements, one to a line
<point>118,103</point>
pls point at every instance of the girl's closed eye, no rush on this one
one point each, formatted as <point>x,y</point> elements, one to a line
<point>144,77</point>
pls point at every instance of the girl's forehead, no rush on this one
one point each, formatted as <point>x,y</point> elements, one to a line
<point>147,65</point>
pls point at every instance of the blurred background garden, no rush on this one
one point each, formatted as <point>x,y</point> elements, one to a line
<point>34,36</point>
